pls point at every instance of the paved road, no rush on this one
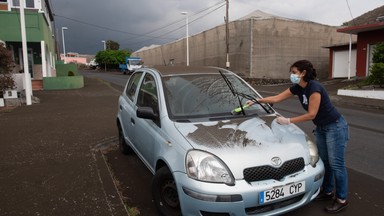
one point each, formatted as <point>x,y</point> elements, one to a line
<point>364,190</point>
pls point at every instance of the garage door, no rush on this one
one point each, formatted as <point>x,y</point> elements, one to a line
<point>340,64</point>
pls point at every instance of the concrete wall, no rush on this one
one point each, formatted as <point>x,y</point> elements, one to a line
<point>206,48</point>
<point>257,48</point>
<point>279,43</point>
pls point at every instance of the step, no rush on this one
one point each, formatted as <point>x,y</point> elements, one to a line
<point>37,85</point>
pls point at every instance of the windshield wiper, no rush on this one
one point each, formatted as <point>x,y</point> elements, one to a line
<point>229,84</point>
<point>253,99</point>
<point>238,94</point>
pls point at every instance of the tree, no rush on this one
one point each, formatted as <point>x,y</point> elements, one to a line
<point>377,69</point>
<point>112,57</point>
<point>6,66</point>
<point>112,45</point>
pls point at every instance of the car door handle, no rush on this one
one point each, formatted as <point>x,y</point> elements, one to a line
<point>133,121</point>
<point>121,107</point>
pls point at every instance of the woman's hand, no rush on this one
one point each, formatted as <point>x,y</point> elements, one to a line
<point>283,121</point>
<point>249,103</point>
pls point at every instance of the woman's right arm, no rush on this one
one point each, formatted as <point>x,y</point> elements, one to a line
<point>277,98</point>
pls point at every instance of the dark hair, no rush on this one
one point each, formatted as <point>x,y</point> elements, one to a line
<point>306,65</point>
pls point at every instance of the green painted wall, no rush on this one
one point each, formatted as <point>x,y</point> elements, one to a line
<point>62,83</point>
<point>63,69</point>
<point>62,80</point>
<point>36,27</point>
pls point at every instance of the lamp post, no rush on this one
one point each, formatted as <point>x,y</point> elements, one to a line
<point>103,41</point>
<point>27,77</point>
<point>105,64</point>
<point>227,64</point>
<point>62,36</point>
<point>186,14</point>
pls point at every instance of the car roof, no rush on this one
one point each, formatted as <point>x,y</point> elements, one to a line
<point>178,70</point>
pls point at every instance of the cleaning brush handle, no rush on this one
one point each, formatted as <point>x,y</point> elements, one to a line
<point>239,108</point>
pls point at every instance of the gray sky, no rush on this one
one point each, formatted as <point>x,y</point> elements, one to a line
<point>135,24</point>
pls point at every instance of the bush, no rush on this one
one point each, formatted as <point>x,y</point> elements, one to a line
<point>377,69</point>
<point>377,74</point>
<point>378,53</point>
<point>6,66</point>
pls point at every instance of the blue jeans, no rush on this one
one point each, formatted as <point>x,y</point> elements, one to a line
<point>331,140</point>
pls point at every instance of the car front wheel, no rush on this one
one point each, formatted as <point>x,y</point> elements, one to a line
<point>164,193</point>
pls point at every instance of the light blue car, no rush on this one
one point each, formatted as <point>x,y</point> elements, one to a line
<point>210,154</point>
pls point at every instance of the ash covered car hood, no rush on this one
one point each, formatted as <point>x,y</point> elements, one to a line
<point>247,142</point>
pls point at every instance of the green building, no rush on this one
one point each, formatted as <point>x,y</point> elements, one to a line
<point>41,42</point>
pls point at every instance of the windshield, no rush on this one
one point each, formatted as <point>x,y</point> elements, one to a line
<point>207,95</point>
<point>135,62</point>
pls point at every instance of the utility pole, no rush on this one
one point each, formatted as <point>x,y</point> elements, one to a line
<point>227,64</point>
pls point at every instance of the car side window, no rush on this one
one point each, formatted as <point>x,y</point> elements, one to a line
<point>132,85</point>
<point>148,94</point>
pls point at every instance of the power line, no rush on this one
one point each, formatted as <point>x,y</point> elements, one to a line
<point>179,20</point>
<point>105,28</point>
<point>130,33</point>
<point>147,35</point>
<point>350,12</point>
<point>200,17</point>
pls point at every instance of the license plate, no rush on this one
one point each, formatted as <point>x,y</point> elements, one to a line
<point>281,192</point>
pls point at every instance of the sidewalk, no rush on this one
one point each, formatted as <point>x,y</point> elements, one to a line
<point>49,165</point>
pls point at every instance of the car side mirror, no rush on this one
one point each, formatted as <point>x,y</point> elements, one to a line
<point>146,113</point>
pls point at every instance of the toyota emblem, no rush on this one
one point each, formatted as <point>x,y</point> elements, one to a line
<point>276,161</point>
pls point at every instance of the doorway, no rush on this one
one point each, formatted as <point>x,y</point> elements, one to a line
<point>30,60</point>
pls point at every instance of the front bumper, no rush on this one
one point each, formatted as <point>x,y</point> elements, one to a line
<point>202,198</point>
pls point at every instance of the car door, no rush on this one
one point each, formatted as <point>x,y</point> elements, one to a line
<point>146,130</point>
<point>128,107</point>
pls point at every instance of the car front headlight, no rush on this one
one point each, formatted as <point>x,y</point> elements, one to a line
<point>313,153</point>
<point>206,167</point>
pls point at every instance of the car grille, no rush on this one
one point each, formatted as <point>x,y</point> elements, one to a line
<point>268,172</point>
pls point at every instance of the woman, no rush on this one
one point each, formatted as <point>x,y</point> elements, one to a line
<point>331,130</point>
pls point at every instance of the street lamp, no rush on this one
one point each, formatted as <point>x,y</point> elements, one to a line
<point>105,64</point>
<point>186,14</point>
<point>62,36</point>
<point>103,41</point>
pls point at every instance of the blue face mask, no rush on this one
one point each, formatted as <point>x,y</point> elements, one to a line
<point>295,78</point>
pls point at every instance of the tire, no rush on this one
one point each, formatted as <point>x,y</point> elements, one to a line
<point>164,193</point>
<point>124,148</point>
